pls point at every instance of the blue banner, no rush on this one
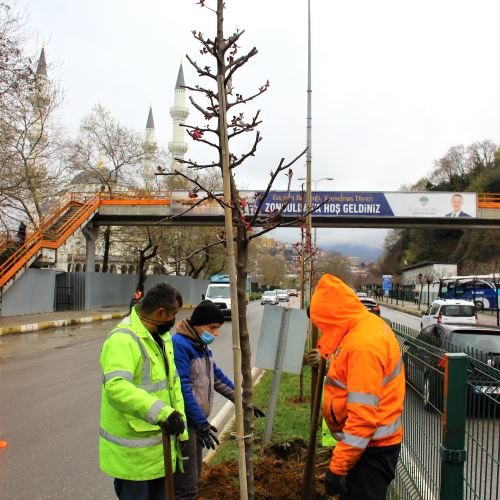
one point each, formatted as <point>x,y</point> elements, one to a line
<point>329,203</point>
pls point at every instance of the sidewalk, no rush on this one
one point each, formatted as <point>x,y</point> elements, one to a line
<point>485,318</point>
<point>31,322</point>
<point>25,323</point>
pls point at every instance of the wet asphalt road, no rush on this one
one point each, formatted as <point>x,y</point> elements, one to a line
<point>50,386</point>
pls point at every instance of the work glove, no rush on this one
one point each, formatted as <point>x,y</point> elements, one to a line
<point>335,484</point>
<point>313,357</point>
<point>207,436</point>
<point>174,424</point>
<point>257,412</point>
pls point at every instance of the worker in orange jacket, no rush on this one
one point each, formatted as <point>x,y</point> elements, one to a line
<point>363,395</point>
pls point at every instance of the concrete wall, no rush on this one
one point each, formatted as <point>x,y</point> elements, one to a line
<point>33,292</point>
<point>106,289</point>
<point>190,289</point>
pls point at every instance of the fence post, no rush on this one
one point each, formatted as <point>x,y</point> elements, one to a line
<point>453,453</point>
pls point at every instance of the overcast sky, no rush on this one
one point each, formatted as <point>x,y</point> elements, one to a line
<point>395,82</point>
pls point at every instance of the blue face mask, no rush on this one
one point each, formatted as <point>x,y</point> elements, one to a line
<point>206,337</point>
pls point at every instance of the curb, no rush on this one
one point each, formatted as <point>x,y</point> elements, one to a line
<point>225,418</point>
<point>58,323</point>
<point>417,314</point>
<point>43,325</point>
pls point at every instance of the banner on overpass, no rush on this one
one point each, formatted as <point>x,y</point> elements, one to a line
<point>341,203</point>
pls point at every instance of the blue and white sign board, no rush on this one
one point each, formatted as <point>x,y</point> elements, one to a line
<point>295,335</point>
<point>387,282</point>
<point>338,203</point>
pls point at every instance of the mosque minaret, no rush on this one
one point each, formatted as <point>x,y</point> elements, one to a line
<point>179,112</point>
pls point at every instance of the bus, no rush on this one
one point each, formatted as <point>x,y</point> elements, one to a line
<point>482,290</point>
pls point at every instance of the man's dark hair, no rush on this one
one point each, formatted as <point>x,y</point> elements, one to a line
<point>161,295</point>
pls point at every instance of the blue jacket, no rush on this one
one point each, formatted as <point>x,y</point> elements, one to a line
<point>199,378</point>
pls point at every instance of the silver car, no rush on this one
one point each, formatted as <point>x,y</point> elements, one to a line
<point>269,297</point>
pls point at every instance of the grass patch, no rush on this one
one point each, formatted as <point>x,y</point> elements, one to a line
<point>291,418</point>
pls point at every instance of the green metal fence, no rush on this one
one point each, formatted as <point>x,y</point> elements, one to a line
<point>451,446</point>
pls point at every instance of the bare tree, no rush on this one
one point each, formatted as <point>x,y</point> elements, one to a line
<point>32,174</point>
<point>108,154</point>
<point>220,101</point>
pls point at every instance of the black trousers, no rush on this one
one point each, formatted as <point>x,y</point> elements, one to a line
<point>186,483</point>
<point>154,489</point>
<point>370,477</point>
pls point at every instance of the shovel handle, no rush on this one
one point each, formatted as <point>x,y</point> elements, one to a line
<point>167,459</point>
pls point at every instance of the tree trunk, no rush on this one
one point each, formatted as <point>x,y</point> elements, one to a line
<point>246,355</point>
<point>107,245</point>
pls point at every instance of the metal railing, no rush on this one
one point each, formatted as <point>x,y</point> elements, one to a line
<point>451,445</point>
<point>488,200</point>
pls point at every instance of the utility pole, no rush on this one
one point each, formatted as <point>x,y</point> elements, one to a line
<point>308,154</point>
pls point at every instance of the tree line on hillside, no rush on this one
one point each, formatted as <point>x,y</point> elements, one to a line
<point>475,168</point>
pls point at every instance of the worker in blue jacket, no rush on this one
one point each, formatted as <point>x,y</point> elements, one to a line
<point>200,377</point>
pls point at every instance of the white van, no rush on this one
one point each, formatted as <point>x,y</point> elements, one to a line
<point>219,292</point>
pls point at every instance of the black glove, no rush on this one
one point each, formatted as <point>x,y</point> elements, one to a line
<point>257,412</point>
<point>174,424</point>
<point>335,484</point>
<point>207,436</point>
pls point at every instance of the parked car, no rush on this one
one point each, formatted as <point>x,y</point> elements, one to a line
<point>424,364</point>
<point>449,311</point>
<point>371,305</point>
<point>282,295</point>
<point>269,297</point>
<point>293,292</point>
<point>362,295</point>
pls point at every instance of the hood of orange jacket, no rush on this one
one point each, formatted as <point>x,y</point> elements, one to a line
<point>334,309</point>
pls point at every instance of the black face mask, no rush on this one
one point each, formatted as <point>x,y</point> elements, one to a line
<point>165,327</point>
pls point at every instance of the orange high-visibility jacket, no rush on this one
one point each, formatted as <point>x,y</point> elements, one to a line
<point>365,386</point>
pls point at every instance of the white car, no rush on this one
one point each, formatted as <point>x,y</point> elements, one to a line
<point>269,297</point>
<point>449,311</point>
<point>282,295</point>
<point>362,295</point>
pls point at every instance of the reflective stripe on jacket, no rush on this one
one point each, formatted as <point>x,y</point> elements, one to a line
<point>365,386</point>
<point>136,395</point>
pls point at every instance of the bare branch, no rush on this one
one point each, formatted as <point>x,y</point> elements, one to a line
<point>241,100</point>
<point>201,72</point>
<point>199,250</point>
<point>290,223</point>
<point>252,151</point>
<point>238,63</point>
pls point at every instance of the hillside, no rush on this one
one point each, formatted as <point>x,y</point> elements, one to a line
<point>474,169</point>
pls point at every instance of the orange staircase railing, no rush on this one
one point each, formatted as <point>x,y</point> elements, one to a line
<point>88,203</point>
<point>488,200</point>
<point>37,241</point>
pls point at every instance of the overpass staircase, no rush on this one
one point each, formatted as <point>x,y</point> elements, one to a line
<point>66,219</point>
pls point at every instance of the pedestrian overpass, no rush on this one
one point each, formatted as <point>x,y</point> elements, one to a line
<point>80,211</point>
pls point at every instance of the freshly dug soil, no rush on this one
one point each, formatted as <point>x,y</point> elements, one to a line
<point>277,476</point>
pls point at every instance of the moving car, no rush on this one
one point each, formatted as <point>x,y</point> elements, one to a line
<point>362,295</point>
<point>449,311</point>
<point>371,305</point>
<point>269,297</point>
<point>282,295</point>
<point>424,363</point>
<point>293,292</point>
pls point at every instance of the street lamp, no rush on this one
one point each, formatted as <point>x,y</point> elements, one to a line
<point>315,188</point>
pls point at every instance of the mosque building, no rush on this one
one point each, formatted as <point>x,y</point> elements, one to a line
<point>71,255</point>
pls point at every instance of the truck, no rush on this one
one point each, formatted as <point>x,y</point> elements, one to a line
<point>219,292</point>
